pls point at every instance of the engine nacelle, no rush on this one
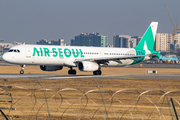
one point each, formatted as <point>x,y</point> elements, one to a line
<point>50,68</point>
<point>88,66</point>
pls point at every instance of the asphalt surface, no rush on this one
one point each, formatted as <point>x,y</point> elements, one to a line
<point>50,76</point>
<point>140,76</point>
<point>156,66</point>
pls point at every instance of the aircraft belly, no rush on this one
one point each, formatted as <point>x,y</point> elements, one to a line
<point>120,63</point>
<point>69,62</point>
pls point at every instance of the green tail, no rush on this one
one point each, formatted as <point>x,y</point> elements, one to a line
<point>148,39</point>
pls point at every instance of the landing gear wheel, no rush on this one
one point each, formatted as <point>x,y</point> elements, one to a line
<point>22,69</point>
<point>72,72</point>
<point>98,72</point>
<point>22,72</point>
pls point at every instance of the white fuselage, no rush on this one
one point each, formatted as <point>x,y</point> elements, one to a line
<point>64,55</point>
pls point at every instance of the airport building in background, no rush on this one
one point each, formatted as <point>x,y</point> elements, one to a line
<point>5,47</point>
<point>60,42</point>
<point>125,41</point>
<point>137,39</point>
<point>177,41</point>
<point>165,42</point>
<point>92,39</point>
<point>42,42</point>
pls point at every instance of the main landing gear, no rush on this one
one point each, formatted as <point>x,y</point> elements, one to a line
<point>98,72</point>
<point>22,69</point>
<point>72,71</point>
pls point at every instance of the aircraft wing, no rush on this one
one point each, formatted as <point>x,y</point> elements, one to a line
<point>102,60</point>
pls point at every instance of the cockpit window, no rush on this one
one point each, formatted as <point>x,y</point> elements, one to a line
<point>14,50</point>
<point>10,50</point>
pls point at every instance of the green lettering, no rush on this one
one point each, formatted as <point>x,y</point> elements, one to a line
<point>81,53</point>
<point>60,52</point>
<point>55,52</point>
<point>46,52</point>
<point>66,54</point>
<point>41,51</point>
<point>75,54</point>
<point>35,51</point>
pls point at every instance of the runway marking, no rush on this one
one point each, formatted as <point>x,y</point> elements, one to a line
<point>67,77</point>
<point>127,76</point>
<point>120,77</point>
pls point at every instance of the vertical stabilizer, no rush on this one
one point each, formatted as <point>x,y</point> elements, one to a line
<point>148,39</point>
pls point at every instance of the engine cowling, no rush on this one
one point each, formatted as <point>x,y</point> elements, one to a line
<point>88,66</point>
<point>50,68</point>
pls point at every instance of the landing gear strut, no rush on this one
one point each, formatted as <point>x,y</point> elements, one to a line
<point>22,69</point>
<point>72,71</point>
<point>98,72</point>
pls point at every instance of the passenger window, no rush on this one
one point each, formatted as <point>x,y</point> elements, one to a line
<point>15,51</point>
<point>18,51</point>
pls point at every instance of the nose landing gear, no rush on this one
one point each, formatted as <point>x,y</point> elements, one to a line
<point>22,69</point>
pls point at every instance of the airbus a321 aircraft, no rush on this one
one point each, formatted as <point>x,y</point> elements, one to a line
<point>87,59</point>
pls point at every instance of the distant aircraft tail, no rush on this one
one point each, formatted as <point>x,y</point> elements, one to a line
<point>148,39</point>
<point>160,56</point>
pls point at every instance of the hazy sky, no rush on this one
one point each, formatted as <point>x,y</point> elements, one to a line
<point>31,20</point>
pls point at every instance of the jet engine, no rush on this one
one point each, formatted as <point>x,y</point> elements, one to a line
<point>50,68</point>
<point>88,66</point>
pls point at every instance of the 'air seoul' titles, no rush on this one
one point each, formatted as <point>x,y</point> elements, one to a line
<point>57,52</point>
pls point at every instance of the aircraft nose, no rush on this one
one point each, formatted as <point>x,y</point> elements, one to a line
<point>5,57</point>
<point>9,57</point>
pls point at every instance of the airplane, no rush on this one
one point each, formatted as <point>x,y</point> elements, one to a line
<point>87,59</point>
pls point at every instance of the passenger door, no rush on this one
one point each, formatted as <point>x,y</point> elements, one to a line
<point>28,52</point>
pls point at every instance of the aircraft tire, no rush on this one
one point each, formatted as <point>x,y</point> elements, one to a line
<point>22,72</point>
<point>98,72</point>
<point>72,72</point>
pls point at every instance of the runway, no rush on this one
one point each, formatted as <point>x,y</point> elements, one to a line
<point>2,63</point>
<point>51,76</point>
<point>140,76</point>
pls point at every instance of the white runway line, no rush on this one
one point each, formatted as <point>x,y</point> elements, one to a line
<point>56,76</point>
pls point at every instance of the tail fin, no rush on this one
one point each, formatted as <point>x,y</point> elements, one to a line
<point>148,39</point>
